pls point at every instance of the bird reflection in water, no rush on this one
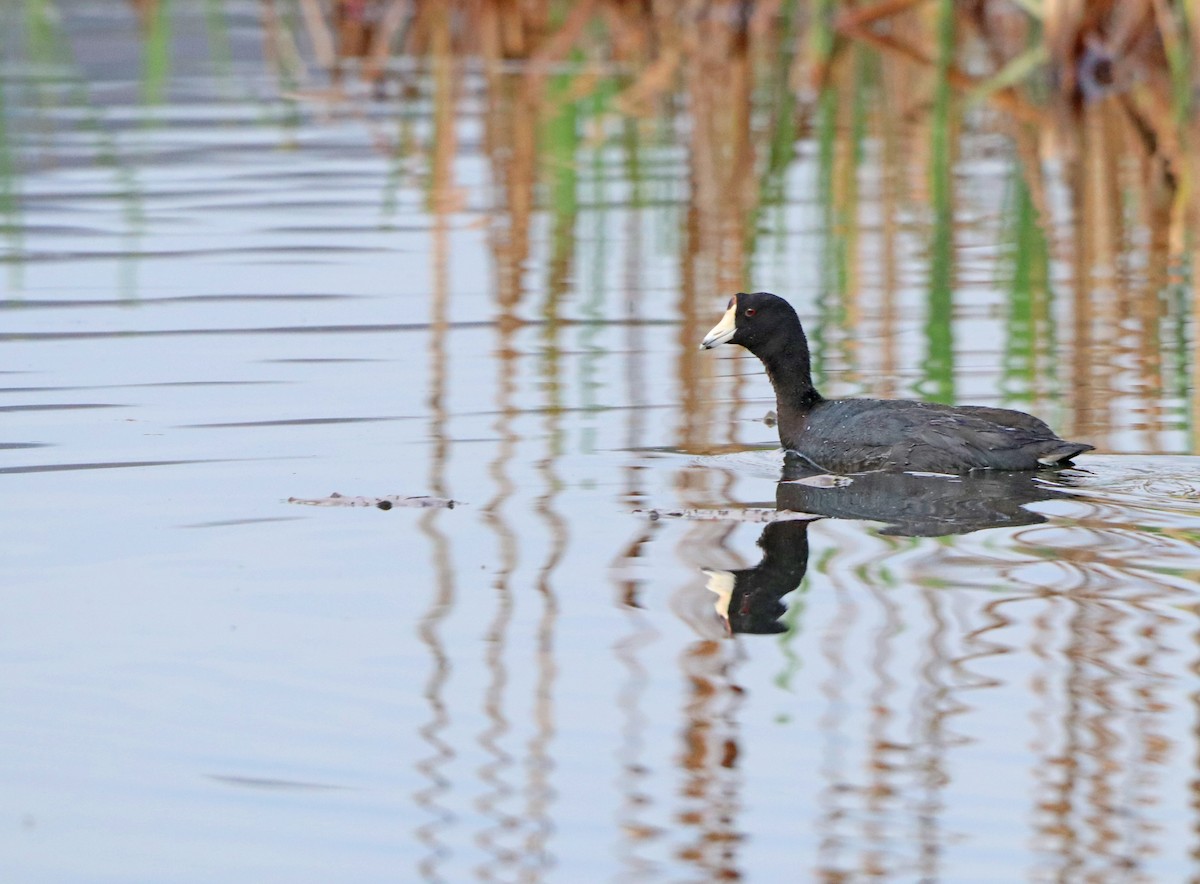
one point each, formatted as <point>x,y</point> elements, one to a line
<point>750,600</point>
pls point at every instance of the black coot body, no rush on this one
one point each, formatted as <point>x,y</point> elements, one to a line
<point>857,435</point>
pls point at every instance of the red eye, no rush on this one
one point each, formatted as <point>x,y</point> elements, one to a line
<point>750,311</point>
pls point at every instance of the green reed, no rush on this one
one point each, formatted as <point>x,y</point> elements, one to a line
<point>560,151</point>
<point>59,82</point>
<point>156,53</point>
<point>1029,294</point>
<point>220,47</point>
<point>938,381</point>
<point>10,202</point>
<point>829,274</point>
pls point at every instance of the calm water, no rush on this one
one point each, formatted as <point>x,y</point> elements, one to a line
<point>226,285</point>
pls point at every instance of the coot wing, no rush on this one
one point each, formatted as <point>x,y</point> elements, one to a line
<point>853,435</point>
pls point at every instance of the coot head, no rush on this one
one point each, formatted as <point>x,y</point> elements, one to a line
<point>756,321</point>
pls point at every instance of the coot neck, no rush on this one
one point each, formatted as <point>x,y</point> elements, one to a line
<point>789,368</point>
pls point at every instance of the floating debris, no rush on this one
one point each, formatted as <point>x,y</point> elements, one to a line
<point>383,503</point>
<point>756,515</point>
<point>821,480</point>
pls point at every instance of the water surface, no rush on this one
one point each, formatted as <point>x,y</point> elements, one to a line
<point>227,283</point>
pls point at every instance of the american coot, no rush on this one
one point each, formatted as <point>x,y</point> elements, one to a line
<point>856,435</point>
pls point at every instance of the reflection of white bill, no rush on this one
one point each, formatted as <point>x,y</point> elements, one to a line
<point>721,583</point>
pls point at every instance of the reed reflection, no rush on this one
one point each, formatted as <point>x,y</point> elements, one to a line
<point>633,779</point>
<point>540,791</point>
<point>497,773</point>
<point>752,600</point>
<point>1091,238</point>
<point>433,834</point>
<point>1098,699</point>
<point>710,794</point>
<point>877,93</point>
<point>1106,747</point>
